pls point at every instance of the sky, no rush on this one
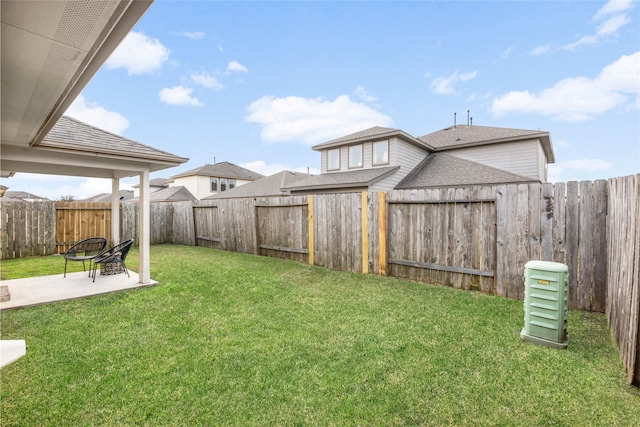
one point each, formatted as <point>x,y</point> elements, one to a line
<point>259,83</point>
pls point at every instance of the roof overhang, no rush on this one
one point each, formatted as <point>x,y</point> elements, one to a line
<point>50,51</point>
<point>395,133</point>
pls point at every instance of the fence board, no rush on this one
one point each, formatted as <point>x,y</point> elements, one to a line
<point>623,276</point>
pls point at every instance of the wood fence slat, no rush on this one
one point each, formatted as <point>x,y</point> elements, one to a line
<point>585,246</point>
<point>572,223</point>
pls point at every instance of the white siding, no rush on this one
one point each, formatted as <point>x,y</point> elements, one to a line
<point>542,164</point>
<point>522,157</point>
<point>402,154</point>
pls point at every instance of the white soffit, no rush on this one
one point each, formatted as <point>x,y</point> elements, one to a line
<point>50,50</point>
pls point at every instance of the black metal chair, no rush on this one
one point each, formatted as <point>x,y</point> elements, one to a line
<point>115,255</point>
<point>84,250</point>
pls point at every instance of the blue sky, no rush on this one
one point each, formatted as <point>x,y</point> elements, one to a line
<point>258,83</point>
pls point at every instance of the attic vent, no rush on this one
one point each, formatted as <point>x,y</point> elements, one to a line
<point>78,20</point>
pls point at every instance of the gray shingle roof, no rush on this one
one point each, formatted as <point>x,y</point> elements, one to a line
<point>446,170</point>
<point>222,170</point>
<point>333,180</point>
<point>169,194</point>
<point>264,187</point>
<point>19,196</point>
<point>375,132</point>
<point>106,197</point>
<point>464,136</point>
<point>69,133</point>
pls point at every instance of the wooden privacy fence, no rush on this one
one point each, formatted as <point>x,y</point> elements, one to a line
<point>470,238</point>
<point>27,229</point>
<point>623,302</point>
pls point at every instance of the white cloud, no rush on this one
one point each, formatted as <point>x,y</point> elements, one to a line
<point>236,66</point>
<point>445,85</point>
<point>609,28</point>
<point>193,35</point>
<point>612,7</point>
<point>540,50</point>
<point>311,120</point>
<point>207,80</point>
<point>579,99</point>
<point>138,54</point>
<point>266,169</point>
<point>362,93</point>
<point>179,95</point>
<point>505,53</point>
<point>562,171</point>
<point>53,187</point>
<point>98,116</point>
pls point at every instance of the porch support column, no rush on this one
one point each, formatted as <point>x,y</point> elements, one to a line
<point>115,211</point>
<point>145,228</point>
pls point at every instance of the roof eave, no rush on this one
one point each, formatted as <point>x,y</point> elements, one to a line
<point>377,137</point>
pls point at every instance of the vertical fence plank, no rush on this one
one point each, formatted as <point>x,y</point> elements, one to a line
<point>571,242</point>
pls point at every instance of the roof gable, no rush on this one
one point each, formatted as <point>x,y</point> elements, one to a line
<point>221,170</point>
<point>373,133</point>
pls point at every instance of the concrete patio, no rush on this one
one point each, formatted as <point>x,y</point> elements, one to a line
<point>47,289</point>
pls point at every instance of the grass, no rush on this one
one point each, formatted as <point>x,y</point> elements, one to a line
<point>232,339</point>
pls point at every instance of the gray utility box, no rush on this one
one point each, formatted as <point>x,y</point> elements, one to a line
<point>545,304</point>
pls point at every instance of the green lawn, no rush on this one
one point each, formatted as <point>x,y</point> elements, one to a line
<point>231,339</point>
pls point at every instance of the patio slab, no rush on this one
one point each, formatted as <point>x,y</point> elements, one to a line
<point>46,289</point>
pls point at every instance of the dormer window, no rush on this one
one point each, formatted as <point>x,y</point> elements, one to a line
<point>333,159</point>
<point>355,156</point>
<point>381,153</point>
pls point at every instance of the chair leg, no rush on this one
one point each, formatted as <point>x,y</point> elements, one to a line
<point>65,267</point>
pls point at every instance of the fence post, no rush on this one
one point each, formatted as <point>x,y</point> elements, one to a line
<point>382,233</point>
<point>365,232</point>
<point>311,226</point>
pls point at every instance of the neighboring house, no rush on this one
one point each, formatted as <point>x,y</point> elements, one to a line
<point>383,159</point>
<point>208,180</point>
<point>169,194</point>
<point>268,186</point>
<point>21,196</point>
<point>123,195</point>
<point>155,184</point>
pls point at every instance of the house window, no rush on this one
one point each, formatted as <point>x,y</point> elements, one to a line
<point>333,159</point>
<point>214,184</point>
<point>223,184</point>
<point>381,153</point>
<point>355,156</point>
<point>232,183</point>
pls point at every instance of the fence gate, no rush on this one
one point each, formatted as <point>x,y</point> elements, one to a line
<point>451,242</point>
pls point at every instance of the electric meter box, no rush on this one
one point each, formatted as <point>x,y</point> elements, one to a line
<point>545,304</point>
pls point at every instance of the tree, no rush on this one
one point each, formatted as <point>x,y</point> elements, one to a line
<point>68,198</point>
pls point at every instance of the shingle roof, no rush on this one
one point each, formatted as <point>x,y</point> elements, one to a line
<point>19,196</point>
<point>106,197</point>
<point>264,187</point>
<point>375,132</point>
<point>169,194</point>
<point>465,136</point>
<point>446,170</point>
<point>69,133</point>
<point>359,178</point>
<point>222,170</point>
<point>156,182</point>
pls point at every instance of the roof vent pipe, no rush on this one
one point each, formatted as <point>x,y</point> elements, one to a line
<point>454,120</point>
<point>468,119</point>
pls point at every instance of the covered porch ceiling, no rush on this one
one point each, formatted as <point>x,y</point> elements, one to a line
<point>50,51</point>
